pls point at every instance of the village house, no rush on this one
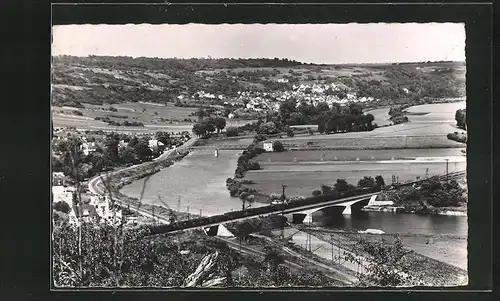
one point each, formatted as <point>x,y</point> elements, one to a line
<point>63,194</point>
<point>153,143</point>
<point>97,209</point>
<point>104,210</point>
<point>268,146</point>
<point>122,144</point>
<point>87,213</point>
<point>87,147</point>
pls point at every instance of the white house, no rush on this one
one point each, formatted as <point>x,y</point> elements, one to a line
<point>268,146</point>
<point>122,144</point>
<point>88,147</point>
<point>63,194</point>
<point>155,143</point>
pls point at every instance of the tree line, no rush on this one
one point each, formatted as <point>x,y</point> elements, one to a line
<point>341,186</point>
<point>332,119</point>
<point>208,125</point>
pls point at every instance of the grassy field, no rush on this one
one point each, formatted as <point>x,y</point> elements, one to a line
<point>353,155</point>
<point>385,141</point>
<point>427,130</point>
<point>146,112</point>
<point>155,117</point>
<point>303,171</point>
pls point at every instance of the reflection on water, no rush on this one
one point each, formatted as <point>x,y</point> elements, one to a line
<point>394,222</point>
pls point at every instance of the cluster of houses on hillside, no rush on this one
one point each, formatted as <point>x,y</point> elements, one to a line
<point>96,209</point>
<point>202,95</point>
<point>315,93</point>
<point>311,93</point>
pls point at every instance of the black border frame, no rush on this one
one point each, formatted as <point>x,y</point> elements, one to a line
<point>26,267</point>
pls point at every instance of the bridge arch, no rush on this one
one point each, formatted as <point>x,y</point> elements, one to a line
<point>344,208</point>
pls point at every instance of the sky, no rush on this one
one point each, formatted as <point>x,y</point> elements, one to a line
<point>307,43</point>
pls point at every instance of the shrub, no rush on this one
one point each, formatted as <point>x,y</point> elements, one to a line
<point>260,137</point>
<point>278,146</point>
<point>254,166</point>
<point>231,132</point>
<point>61,206</point>
<point>289,132</point>
<point>456,137</point>
<point>268,128</point>
<point>316,192</point>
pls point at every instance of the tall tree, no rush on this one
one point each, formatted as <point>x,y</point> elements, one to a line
<point>199,129</point>
<point>111,147</point>
<point>379,181</point>
<point>220,123</point>
<point>142,150</point>
<point>163,137</point>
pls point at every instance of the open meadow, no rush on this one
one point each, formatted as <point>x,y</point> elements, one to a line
<point>303,179</point>
<point>423,131</point>
<point>305,171</point>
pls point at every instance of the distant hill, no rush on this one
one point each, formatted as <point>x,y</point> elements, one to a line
<point>110,80</point>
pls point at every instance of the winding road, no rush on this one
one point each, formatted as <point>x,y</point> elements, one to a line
<point>94,187</point>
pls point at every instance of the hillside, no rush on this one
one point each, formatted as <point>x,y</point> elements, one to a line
<point>222,83</point>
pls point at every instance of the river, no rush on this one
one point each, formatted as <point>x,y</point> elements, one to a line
<point>395,223</point>
<point>199,180</point>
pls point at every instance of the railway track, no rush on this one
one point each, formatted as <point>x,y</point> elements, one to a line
<point>307,261</point>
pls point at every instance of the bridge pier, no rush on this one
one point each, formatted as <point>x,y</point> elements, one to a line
<point>218,230</point>
<point>211,231</point>
<point>300,218</point>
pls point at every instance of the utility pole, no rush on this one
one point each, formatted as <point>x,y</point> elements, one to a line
<point>179,204</point>
<point>283,193</point>
<point>200,213</point>
<point>188,211</point>
<point>447,159</point>
<point>153,212</point>
<point>331,242</point>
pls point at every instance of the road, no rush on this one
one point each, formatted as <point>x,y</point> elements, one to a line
<point>94,187</point>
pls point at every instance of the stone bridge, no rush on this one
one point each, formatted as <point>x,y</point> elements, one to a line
<point>346,208</point>
<point>300,215</point>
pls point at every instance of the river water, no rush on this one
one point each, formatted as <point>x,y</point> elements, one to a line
<point>198,180</point>
<point>395,223</point>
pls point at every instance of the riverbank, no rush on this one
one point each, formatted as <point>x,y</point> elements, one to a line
<point>453,211</point>
<point>117,179</point>
<point>437,260</point>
